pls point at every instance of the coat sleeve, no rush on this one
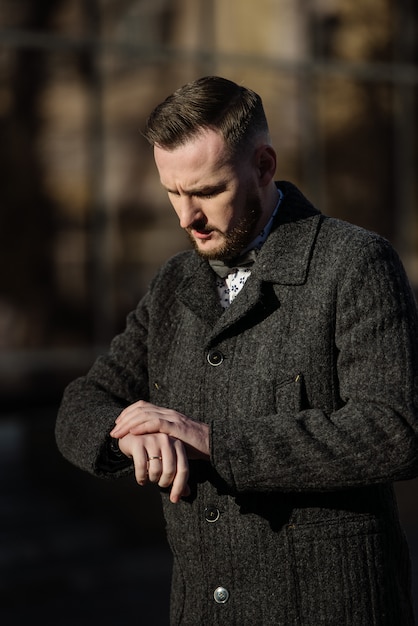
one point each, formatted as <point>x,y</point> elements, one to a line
<point>90,404</point>
<point>372,436</point>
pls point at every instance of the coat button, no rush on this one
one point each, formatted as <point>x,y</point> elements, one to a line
<point>212,514</point>
<point>221,595</point>
<point>215,357</point>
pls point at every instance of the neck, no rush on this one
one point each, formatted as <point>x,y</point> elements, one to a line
<point>272,198</point>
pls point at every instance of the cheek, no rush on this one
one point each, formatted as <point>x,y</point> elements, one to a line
<point>232,206</point>
<point>226,218</point>
<point>235,211</point>
<point>174,205</point>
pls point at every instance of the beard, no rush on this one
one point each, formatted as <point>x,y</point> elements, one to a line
<point>235,240</point>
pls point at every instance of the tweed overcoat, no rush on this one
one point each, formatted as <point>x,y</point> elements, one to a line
<point>308,382</point>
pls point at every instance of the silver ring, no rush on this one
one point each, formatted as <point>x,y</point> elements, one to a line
<point>151,458</point>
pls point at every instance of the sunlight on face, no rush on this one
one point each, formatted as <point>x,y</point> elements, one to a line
<point>216,199</point>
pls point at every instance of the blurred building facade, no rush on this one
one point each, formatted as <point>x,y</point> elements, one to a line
<point>84,223</point>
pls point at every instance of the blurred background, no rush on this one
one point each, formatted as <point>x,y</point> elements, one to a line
<point>84,225</point>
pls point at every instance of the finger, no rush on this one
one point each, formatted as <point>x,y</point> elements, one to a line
<point>155,467</point>
<point>140,458</point>
<point>119,431</point>
<point>128,423</point>
<point>128,415</point>
<point>139,406</point>
<point>169,463</point>
<point>134,421</point>
<point>180,486</point>
<point>154,425</point>
<point>162,468</point>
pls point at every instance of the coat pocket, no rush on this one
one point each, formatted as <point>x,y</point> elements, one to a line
<point>343,573</point>
<point>289,393</point>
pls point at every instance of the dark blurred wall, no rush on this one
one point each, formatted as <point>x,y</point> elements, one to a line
<point>84,224</point>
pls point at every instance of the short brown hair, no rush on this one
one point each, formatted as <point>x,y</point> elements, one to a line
<point>210,102</point>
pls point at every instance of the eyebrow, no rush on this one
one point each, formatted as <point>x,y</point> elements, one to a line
<point>201,191</point>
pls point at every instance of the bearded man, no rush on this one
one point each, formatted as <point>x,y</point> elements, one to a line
<point>267,382</point>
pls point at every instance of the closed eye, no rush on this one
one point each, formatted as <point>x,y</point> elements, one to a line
<point>204,192</point>
<point>209,192</point>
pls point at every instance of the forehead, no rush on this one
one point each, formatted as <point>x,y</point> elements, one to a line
<point>205,154</point>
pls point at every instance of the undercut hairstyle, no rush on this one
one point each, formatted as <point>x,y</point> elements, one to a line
<point>209,103</point>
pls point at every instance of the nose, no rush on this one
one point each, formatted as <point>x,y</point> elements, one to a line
<point>188,211</point>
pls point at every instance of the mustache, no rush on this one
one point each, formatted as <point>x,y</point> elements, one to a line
<point>201,226</point>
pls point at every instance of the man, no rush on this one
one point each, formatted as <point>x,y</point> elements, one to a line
<point>272,397</point>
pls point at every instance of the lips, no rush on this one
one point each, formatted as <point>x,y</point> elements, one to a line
<point>202,234</point>
<point>200,230</point>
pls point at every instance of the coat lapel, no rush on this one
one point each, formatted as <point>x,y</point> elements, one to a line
<point>198,292</point>
<point>283,259</point>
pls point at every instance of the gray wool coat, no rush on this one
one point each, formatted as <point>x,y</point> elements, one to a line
<point>309,384</point>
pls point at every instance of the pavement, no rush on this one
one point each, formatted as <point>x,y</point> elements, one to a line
<point>74,550</point>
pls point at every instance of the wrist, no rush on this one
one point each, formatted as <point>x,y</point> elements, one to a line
<point>112,459</point>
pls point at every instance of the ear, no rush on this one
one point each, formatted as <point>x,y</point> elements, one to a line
<point>265,159</point>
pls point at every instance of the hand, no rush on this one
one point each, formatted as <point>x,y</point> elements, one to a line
<point>160,459</point>
<point>144,418</point>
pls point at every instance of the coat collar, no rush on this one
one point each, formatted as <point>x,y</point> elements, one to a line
<point>283,259</point>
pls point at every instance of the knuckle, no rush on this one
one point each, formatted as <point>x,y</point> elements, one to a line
<point>166,480</point>
<point>140,478</point>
